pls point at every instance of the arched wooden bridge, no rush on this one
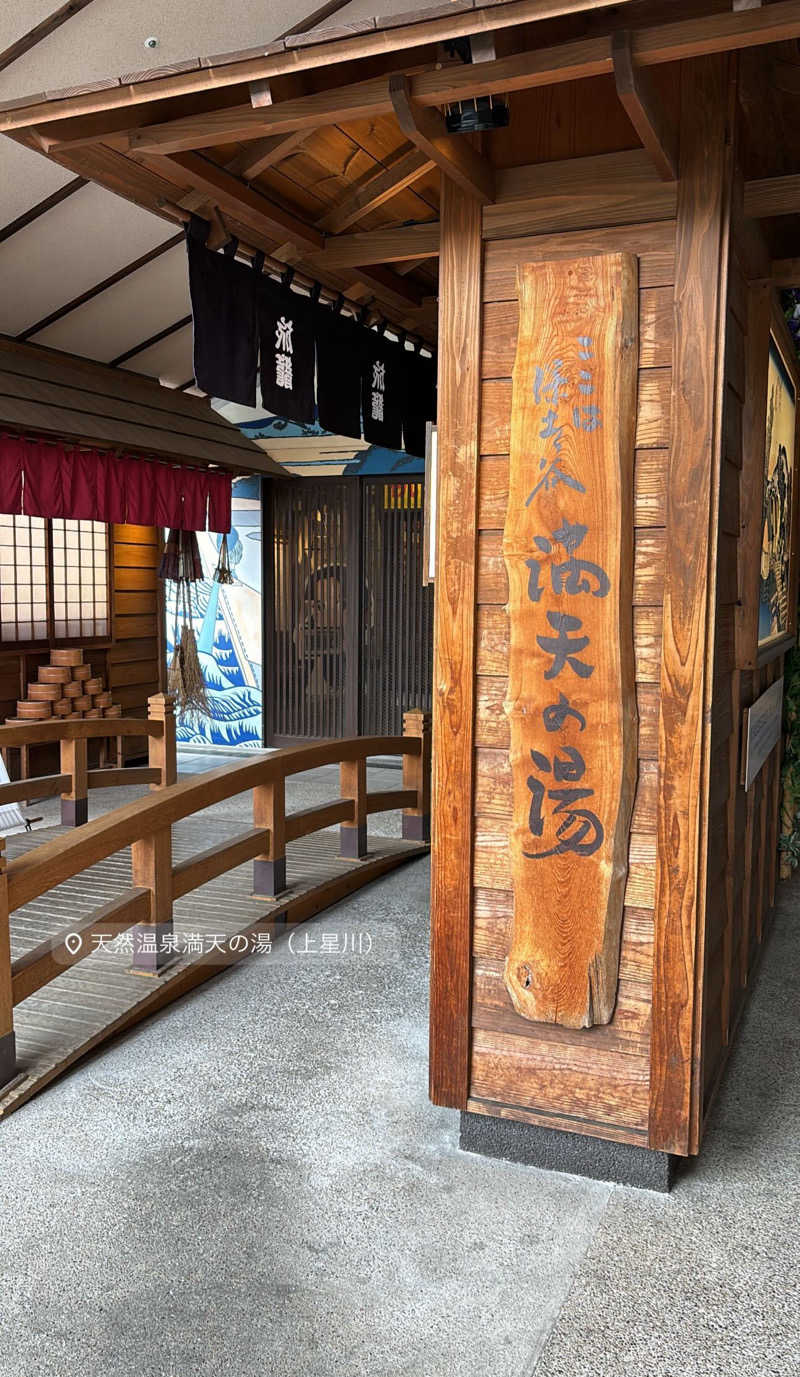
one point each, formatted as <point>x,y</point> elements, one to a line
<point>67,981</point>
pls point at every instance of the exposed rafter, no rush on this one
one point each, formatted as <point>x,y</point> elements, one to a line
<point>453,153</point>
<point>43,29</point>
<point>257,157</point>
<point>389,181</point>
<point>153,339</point>
<point>42,207</point>
<point>643,108</point>
<point>248,205</point>
<point>101,287</point>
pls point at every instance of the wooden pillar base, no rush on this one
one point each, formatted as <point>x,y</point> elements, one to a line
<point>269,878</point>
<point>576,1153</point>
<point>74,812</point>
<point>8,1059</point>
<point>152,948</point>
<point>353,841</point>
<point>417,827</point>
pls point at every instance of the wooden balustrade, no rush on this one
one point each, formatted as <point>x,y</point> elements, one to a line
<point>145,826</point>
<point>76,779</point>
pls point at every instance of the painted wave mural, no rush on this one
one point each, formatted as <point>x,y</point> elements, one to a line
<point>227,624</point>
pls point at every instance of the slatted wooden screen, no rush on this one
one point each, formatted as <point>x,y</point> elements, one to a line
<point>397,609</point>
<point>349,626</point>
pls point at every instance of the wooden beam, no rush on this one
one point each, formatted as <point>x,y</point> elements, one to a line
<point>379,188</point>
<point>43,29</point>
<point>454,645</point>
<point>579,59</point>
<point>379,246</point>
<point>251,207</point>
<point>453,153</point>
<point>264,153</point>
<point>42,207</point>
<point>315,18</point>
<point>772,196</point>
<point>260,94</point>
<point>101,287</point>
<point>687,656</point>
<point>786,272</point>
<point>643,108</point>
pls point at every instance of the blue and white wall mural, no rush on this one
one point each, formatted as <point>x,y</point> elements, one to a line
<point>309,451</point>
<point>227,624</point>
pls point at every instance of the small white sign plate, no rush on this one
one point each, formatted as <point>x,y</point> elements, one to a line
<point>762,731</point>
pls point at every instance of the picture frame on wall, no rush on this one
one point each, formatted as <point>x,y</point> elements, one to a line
<point>777,571</point>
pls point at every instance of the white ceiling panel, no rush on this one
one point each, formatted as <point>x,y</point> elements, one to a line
<point>107,38</point>
<point>19,16</point>
<point>171,360</point>
<point>134,309</point>
<point>70,249</point>
<point>26,178</point>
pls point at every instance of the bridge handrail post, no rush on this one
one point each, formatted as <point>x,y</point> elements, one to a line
<point>75,763</point>
<point>162,750</point>
<point>269,812</point>
<point>8,1052</point>
<point>417,775</point>
<point>353,785</point>
<point>151,868</point>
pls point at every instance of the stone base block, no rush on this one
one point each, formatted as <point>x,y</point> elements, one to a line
<point>74,812</point>
<point>353,841</point>
<point>152,948</point>
<point>576,1153</point>
<point>269,878</point>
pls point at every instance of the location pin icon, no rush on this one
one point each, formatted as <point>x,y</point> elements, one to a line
<point>73,942</point>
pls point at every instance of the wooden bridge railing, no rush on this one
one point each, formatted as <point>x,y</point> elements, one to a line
<point>76,779</point>
<point>146,824</point>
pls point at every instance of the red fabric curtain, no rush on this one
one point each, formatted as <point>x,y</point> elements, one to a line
<point>11,475</point>
<point>43,478</point>
<point>219,502</point>
<point>44,470</point>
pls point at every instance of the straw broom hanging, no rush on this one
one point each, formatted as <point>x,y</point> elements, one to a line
<point>181,564</point>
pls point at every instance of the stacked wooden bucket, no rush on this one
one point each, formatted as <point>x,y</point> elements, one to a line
<point>66,688</point>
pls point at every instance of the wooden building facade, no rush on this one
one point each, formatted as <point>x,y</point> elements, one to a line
<point>637,145</point>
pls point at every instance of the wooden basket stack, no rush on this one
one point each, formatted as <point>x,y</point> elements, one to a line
<point>66,688</point>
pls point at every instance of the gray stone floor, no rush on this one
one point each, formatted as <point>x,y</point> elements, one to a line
<point>255,1183</point>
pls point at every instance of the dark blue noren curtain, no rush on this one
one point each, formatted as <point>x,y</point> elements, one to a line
<point>286,337</point>
<point>419,404</point>
<point>339,346</point>
<point>223,296</point>
<point>383,382</point>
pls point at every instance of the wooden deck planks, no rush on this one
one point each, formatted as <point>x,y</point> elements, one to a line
<point>98,998</point>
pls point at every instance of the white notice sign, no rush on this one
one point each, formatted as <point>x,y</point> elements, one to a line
<point>762,731</point>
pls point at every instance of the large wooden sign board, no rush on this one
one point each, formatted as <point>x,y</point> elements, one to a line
<point>568,549</point>
<point>762,731</point>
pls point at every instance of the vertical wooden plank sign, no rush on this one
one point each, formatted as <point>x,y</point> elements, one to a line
<point>568,549</point>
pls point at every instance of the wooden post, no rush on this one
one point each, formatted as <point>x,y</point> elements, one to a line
<point>353,835</point>
<point>161,750</point>
<point>460,266</point>
<point>151,866</point>
<point>686,682</point>
<point>269,811</point>
<point>417,775</point>
<point>8,1051</point>
<point>74,762</point>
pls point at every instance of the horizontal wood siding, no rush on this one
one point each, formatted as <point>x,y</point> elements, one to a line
<point>136,658</point>
<point>590,1080</point>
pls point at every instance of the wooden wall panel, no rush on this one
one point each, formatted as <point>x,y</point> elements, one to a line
<point>508,1051</point>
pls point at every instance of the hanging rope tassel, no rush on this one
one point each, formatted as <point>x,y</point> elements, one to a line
<point>183,565</point>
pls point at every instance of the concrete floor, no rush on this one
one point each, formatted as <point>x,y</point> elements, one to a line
<point>255,1183</point>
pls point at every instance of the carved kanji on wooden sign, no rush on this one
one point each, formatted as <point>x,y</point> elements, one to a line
<point>568,549</point>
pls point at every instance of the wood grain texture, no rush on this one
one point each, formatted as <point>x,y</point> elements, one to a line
<point>569,872</point>
<point>701,249</point>
<point>752,429</point>
<point>454,646</point>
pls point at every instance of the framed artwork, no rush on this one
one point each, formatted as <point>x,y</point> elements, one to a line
<point>777,556</point>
